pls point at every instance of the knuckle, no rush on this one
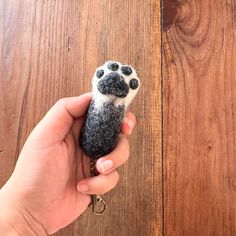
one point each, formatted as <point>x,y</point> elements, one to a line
<point>61,102</point>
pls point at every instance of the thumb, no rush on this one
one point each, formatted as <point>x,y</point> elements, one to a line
<point>59,119</point>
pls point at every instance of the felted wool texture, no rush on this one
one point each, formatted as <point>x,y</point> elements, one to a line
<point>114,87</point>
<point>114,84</point>
<point>101,131</point>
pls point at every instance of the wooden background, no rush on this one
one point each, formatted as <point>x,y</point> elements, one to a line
<point>49,50</point>
<point>187,104</point>
<point>199,69</point>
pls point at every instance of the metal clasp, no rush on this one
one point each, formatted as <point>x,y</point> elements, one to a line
<point>98,204</point>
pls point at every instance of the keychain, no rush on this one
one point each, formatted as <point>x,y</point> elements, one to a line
<point>98,204</point>
<point>114,86</point>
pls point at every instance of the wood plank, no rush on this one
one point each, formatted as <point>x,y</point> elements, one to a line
<point>49,50</point>
<point>199,54</point>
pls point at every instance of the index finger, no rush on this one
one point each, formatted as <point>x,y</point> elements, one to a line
<point>59,119</point>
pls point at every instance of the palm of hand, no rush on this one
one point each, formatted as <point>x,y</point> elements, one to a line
<point>51,181</point>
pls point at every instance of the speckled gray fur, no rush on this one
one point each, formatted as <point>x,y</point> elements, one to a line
<point>101,130</point>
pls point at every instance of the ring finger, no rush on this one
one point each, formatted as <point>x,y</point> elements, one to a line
<point>116,158</point>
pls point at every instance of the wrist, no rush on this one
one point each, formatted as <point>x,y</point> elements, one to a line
<point>15,220</point>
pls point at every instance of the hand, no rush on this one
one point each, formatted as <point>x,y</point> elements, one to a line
<point>51,183</point>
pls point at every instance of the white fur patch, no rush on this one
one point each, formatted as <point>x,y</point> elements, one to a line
<point>99,98</point>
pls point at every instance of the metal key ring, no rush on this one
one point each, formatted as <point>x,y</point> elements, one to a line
<point>98,204</point>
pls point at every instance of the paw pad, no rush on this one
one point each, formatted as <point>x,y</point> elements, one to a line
<point>126,70</point>
<point>117,80</point>
<point>113,66</point>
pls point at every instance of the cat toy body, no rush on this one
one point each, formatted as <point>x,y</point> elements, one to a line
<point>114,87</point>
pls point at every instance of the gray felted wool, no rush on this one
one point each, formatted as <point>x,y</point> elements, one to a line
<point>114,87</point>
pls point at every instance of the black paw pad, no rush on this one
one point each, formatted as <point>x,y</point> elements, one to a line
<point>133,83</point>
<point>113,84</point>
<point>100,73</point>
<point>126,70</point>
<point>113,66</point>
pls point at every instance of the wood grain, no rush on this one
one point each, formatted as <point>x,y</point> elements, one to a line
<point>199,54</point>
<point>49,50</point>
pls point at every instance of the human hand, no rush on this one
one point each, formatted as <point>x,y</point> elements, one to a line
<point>50,186</point>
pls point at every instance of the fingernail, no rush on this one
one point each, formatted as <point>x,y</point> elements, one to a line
<point>82,187</point>
<point>106,165</point>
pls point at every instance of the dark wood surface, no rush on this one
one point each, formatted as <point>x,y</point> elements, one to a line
<point>199,55</point>
<point>49,50</point>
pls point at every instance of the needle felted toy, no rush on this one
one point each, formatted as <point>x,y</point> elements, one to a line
<point>114,87</point>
